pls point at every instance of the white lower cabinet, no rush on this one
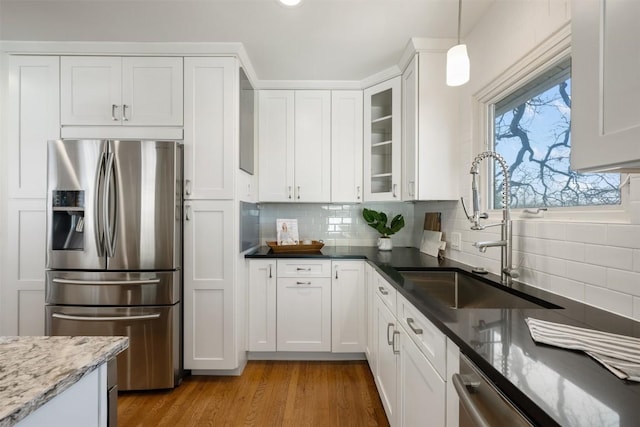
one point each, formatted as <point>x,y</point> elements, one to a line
<point>386,367</point>
<point>369,348</point>
<point>262,305</point>
<point>348,333</point>
<point>411,361</point>
<point>303,318</point>
<point>209,321</point>
<point>422,391</point>
<point>304,314</point>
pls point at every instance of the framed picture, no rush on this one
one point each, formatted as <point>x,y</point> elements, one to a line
<point>287,232</point>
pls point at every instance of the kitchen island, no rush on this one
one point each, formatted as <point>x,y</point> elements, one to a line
<point>552,386</point>
<point>38,373</point>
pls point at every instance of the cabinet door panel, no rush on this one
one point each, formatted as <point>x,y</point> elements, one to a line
<point>90,87</point>
<point>304,314</point>
<point>152,91</point>
<point>208,285</point>
<point>34,98</point>
<point>386,373</point>
<point>276,145</point>
<point>347,307</point>
<point>346,146</point>
<point>262,305</point>
<point>312,157</point>
<point>209,128</point>
<point>605,122</point>
<point>422,391</point>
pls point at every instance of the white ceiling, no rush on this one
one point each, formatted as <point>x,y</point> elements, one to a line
<point>317,40</point>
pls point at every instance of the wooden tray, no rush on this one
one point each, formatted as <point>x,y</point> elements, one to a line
<point>315,246</point>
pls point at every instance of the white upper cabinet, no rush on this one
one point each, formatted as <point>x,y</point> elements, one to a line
<point>33,118</point>
<point>294,133</point>
<point>346,146</point>
<point>605,122</point>
<point>429,117</point>
<point>129,91</point>
<point>382,135</point>
<point>209,135</point>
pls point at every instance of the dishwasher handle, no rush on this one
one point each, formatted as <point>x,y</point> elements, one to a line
<point>467,403</point>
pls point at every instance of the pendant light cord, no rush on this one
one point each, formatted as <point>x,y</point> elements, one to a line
<point>459,18</point>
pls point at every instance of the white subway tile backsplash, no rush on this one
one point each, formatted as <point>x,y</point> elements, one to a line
<point>609,256</point>
<point>551,230</point>
<point>609,300</point>
<point>623,281</point>
<point>566,287</point>
<point>566,250</point>
<point>586,273</point>
<point>627,236</point>
<point>636,308</point>
<point>587,233</point>
<point>550,265</point>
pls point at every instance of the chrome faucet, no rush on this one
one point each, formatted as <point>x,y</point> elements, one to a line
<point>507,272</point>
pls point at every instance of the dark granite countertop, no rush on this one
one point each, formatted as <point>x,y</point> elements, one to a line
<point>552,386</point>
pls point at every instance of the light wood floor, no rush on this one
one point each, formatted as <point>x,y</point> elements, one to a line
<point>272,393</point>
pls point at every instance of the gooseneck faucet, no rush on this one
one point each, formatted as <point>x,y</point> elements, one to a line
<point>507,272</point>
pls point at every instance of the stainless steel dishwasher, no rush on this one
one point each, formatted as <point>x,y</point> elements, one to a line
<point>481,404</point>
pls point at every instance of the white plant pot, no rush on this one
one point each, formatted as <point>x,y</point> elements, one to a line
<point>384,244</point>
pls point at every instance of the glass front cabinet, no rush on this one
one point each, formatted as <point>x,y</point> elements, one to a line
<point>382,133</point>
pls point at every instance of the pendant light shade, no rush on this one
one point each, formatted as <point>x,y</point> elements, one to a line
<point>457,59</point>
<point>457,65</point>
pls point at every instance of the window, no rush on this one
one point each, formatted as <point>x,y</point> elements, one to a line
<point>531,129</point>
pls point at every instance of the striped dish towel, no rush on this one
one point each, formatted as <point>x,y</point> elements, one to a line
<point>618,353</point>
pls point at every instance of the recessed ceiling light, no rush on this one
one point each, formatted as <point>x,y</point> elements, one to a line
<point>290,3</point>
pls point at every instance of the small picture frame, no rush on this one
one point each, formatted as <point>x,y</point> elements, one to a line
<point>287,232</point>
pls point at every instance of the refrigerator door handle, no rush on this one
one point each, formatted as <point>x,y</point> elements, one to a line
<point>97,206</point>
<point>106,282</point>
<point>106,318</point>
<point>109,229</point>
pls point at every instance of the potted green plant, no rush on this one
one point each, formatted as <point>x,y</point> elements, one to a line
<point>378,221</point>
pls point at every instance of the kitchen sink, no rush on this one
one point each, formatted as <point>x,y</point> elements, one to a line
<point>459,291</point>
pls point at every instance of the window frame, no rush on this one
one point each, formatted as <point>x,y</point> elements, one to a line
<point>551,51</point>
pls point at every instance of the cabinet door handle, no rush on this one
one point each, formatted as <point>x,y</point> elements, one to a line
<point>114,107</point>
<point>187,187</point>
<point>410,322</point>
<point>298,192</point>
<point>412,186</point>
<point>303,283</point>
<point>270,275</point>
<point>289,191</point>
<point>358,192</point>
<point>393,342</point>
<point>383,291</point>
<point>124,113</point>
<point>393,190</point>
<point>389,326</point>
<point>336,271</point>
<point>187,215</point>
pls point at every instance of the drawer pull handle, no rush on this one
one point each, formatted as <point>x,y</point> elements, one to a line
<point>393,342</point>
<point>390,341</point>
<point>303,269</point>
<point>383,291</point>
<point>303,283</point>
<point>410,322</point>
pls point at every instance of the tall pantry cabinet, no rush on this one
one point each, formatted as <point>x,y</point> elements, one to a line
<point>212,329</point>
<point>34,98</point>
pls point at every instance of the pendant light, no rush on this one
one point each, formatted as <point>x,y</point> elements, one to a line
<point>458,59</point>
<point>290,3</point>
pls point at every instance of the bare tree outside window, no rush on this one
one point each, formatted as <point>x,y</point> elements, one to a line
<point>532,131</point>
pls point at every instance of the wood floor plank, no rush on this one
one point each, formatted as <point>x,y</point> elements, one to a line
<point>269,393</point>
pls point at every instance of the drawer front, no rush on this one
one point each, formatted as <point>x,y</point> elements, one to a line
<point>429,339</point>
<point>304,268</point>
<point>386,292</point>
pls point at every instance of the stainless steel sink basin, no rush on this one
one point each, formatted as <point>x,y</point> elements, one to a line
<point>461,291</point>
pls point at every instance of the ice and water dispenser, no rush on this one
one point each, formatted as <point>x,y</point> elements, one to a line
<point>68,220</point>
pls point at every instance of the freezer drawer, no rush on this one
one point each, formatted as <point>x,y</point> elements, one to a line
<point>112,289</point>
<point>152,360</point>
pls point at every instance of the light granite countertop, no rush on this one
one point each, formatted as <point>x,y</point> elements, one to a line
<point>34,370</point>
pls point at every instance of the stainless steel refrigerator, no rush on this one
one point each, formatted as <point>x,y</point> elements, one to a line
<point>114,251</point>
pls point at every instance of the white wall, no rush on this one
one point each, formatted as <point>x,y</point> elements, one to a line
<point>594,262</point>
